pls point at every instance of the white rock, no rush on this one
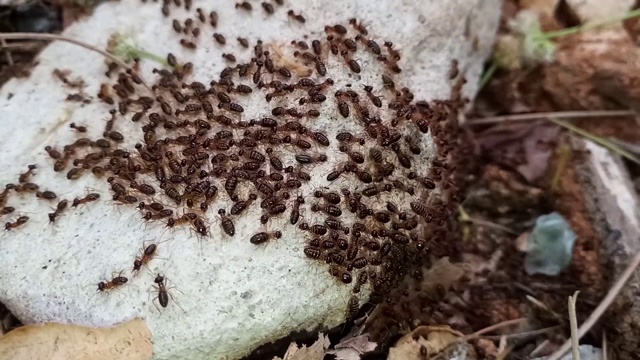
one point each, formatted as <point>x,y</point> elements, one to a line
<point>235,296</point>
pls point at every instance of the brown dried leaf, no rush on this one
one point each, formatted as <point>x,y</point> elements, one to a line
<point>525,147</point>
<point>352,348</point>
<point>425,339</point>
<point>314,352</point>
<point>130,340</point>
<point>488,347</point>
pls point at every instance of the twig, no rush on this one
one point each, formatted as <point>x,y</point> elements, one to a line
<point>521,334</point>
<point>597,139</point>
<point>503,354</point>
<point>494,327</point>
<point>604,345</point>
<point>602,307</point>
<point>573,323</point>
<point>21,45</point>
<point>542,115</point>
<point>539,349</point>
<point>38,36</point>
<point>589,26</point>
<point>543,306</point>
<point>465,217</point>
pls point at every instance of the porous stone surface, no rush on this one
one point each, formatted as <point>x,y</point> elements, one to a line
<point>228,295</point>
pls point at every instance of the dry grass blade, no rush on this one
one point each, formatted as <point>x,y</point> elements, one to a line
<point>543,115</point>
<point>597,139</point>
<point>465,217</point>
<point>521,334</point>
<point>37,36</point>
<point>494,327</point>
<point>602,307</point>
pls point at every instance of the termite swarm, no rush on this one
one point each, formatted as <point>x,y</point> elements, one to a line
<point>359,193</point>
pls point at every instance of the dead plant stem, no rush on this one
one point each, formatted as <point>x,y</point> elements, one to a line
<point>602,307</point>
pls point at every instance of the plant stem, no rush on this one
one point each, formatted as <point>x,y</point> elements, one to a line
<point>152,56</point>
<point>589,26</point>
<point>38,36</point>
<point>488,74</point>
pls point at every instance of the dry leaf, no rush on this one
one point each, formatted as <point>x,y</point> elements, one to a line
<point>488,347</point>
<point>130,340</point>
<point>525,147</point>
<point>352,348</point>
<point>434,339</point>
<point>314,352</point>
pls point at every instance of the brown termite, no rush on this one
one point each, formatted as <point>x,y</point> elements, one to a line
<point>297,17</point>
<point>243,42</point>
<point>16,224</point>
<point>245,5</point>
<point>220,39</point>
<point>27,187</point>
<point>295,211</point>
<point>268,7</point>
<point>308,159</point>
<point>330,210</point>
<point>354,66</point>
<point>177,27</point>
<point>353,305</point>
<point>53,153</point>
<point>7,210</point>
<point>78,128</point>
<point>226,223</point>
<point>229,57</point>
<point>321,68</point>
<point>24,177</point>
<point>188,44</point>
<point>241,206</point>
<point>62,206</point>
<point>355,156</point>
<point>46,195</point>
<point>148,252</point>
<point>330,197</point>
<point>213,19</point>
<point>263,237</point>
<point>163,293</point>
<point>349,138</point>
<point>313,252</point>
<point>113,283</point>
<point>358,26</point>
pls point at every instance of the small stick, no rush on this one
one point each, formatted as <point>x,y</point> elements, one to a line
<point>51,37</point>
<point>542,115</point>
<point>494,327</point>
<point>38,36</point>
<point>602,307</point>
<point>573,323</point>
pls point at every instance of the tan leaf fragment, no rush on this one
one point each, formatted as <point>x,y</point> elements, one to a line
<point>130,340</point>
<point>352,348</point>
<point>314,352</point>
<point>428,340</point>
